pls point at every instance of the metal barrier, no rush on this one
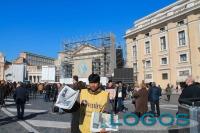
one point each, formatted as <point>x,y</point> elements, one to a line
<point>194,114</point>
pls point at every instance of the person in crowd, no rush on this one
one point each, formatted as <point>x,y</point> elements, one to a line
<point>168,92</point>
<point>124,96</point>
<point>121,95</point>
<point>92,99</point>
<point>129,91</point>
<point>177,88</point>
<point>20,96</point>
<point>154,97</point>
<point>55,92</point>
<point>40,88</point>
<point>149,85</point>
<point>14,85</point>
<point>34,90</point>
<point>112,93</point>
<point>47,92</point>
<point>116,98</point>
<point>191,91</point>
<point>75,114</point>
<point>141,100</point>
<point>136,88</point>
<point>159,87</point>
<point>2,94</point>
<point>29,89</point>
<point>75,83</point>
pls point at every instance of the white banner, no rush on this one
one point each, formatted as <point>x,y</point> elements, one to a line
<point>66,98</point>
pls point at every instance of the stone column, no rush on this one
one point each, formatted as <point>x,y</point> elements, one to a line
<point>38,79</point>
<point>34,79</point>
<point>31,78</point>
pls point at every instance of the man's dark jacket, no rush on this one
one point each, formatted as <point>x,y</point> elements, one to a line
<point>190,92</point>
<point>154,94</point>
<point>20,94</point>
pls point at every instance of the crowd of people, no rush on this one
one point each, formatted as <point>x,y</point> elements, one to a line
<point>22,92</point>
<point>49,90</point>
<point>140,94</point>
<point>96,98</point>
<point>6,89</point>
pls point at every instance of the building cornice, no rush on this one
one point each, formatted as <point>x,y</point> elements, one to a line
<point>37,55</point>
<point>165,9</point>
<point>170,12</point>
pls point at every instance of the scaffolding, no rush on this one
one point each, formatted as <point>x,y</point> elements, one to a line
<point>104,65</point>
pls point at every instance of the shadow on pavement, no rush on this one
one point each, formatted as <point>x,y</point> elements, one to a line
<point>9,120</point>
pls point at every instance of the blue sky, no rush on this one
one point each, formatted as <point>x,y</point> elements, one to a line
<point>40,26</point>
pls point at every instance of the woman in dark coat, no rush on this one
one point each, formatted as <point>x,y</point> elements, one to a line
<point>141,100</point>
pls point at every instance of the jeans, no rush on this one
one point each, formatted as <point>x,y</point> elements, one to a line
<point>112,102</point>
<point>153,104</point>
<point>47,97</point>
<point>120,103</point>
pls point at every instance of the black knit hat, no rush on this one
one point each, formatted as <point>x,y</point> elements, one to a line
<point>94,78</point>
